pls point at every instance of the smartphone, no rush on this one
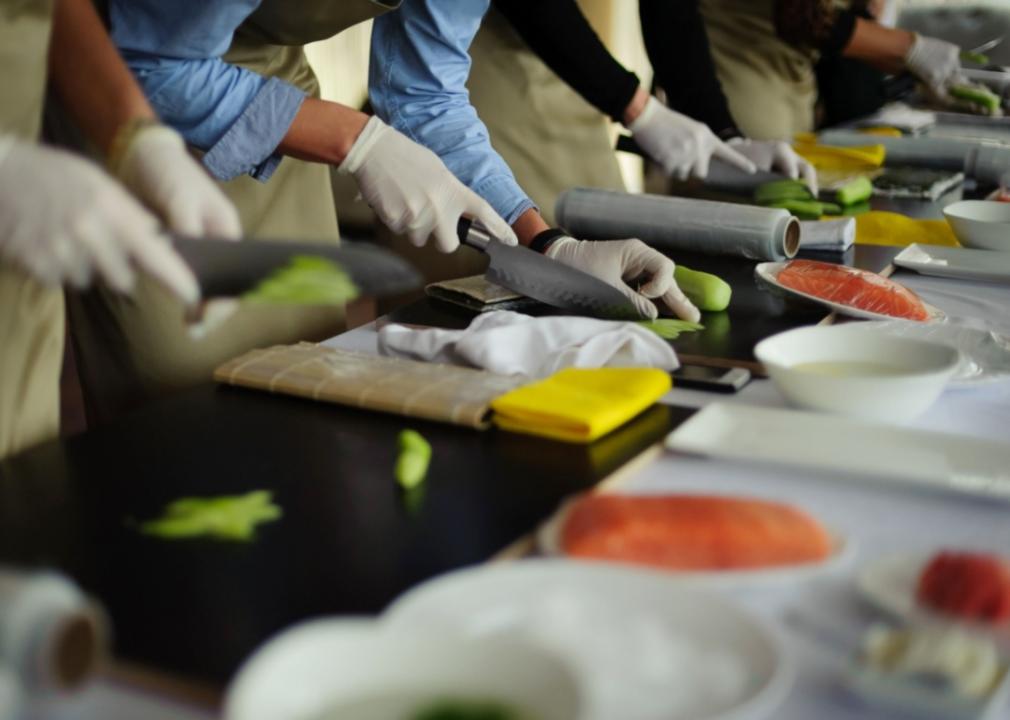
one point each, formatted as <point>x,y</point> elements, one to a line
<point>713,379</point>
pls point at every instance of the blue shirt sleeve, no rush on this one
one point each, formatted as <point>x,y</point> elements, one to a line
<point>417,77</point>
<point>237,116</point>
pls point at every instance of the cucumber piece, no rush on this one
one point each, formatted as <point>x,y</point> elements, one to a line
<point>854,192</point>
<point>974,57</point>
<point>778,190</point>
<point>828,208</point>
<point>305,280</point>
<point>709,293</point>
<point>977,95</point>
<point>669,328</point>
<point>857,209</point>
<point>803,209</point>
<point>413,460</point>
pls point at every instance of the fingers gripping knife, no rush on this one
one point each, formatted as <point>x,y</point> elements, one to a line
<point>553,283</point>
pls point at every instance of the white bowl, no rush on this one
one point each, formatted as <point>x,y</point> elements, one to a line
<point>358,669</point>
<point>982,224</point>
<point>905,376</point>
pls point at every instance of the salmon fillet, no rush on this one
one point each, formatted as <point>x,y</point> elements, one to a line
<point>852,287</point>
<point>692,532</point>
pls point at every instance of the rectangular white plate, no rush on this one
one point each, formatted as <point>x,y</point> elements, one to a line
<point>886,453</point>
<point>953,262</point>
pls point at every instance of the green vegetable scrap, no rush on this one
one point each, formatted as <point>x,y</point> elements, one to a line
<point>974,57</point>
<point>803,209</point>
<point>857,209</point>
<point>412,463</point>
<point>856,191</point>
<point>467,710</point>
<point>781,190</point>
<point>977,95</point>
<point>670,329</point>
<point>227,517</point>
<point>708,292</point>
<point>305,280</point>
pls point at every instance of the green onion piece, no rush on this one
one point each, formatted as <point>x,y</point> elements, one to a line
<point>413,460</point>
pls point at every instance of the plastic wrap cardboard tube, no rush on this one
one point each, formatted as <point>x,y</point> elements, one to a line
<point>670,223</point>
<point>51,636</point>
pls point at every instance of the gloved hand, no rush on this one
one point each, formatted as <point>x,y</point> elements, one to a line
<point>619,262</point>
<point>413,192</point>
<point>937,63</point>
<point>63,220</point>
<point>156,167</point>
<point>683,147</point>
<point>776,155</point>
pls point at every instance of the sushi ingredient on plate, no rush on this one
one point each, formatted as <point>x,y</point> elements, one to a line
<point>708,292</point>
<point>854,288</point>
<point>972,586</point>
<point>967,664</point>
<point>692,532</point>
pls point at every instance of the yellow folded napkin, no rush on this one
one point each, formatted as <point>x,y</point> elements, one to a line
<point>887,228</point>
<point>580,404</point>
<point>832,157</point>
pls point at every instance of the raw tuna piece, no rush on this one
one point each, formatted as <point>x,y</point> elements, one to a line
<point>854,288</point>
<point>975,586</point>
<point>690,532</point>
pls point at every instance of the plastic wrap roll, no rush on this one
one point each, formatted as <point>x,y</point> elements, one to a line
<point>988,164</point>
<point>929,152</point>
<point>672,223</point>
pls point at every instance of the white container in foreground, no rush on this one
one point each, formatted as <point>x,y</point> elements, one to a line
<point>982,224</point>
<point>853,371</point>
<point>360,669</point>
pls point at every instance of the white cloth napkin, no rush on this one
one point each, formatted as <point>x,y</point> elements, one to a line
<point>834,235</point>
<point>512,343</point>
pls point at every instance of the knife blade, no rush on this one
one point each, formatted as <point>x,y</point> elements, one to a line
<point>553,283</point>
<point>225,268</point>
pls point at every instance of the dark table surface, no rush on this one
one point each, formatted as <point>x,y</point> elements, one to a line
<point>350,541</point>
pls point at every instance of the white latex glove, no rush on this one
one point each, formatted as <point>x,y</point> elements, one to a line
<point>157,168</point>
<point>619,262</point>
<point>777,155</point>
<point>413,192</point>
<point>937,63</point>
<point>63,220</point>
<point>683,147</point>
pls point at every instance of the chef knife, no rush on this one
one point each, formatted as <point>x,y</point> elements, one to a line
<point>553,283</point>
<point>225,268</point>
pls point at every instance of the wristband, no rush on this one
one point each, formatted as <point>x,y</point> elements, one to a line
<point>543,240</point>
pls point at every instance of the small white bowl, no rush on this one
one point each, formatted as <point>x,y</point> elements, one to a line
<point>981,224</point>
<point>358,669</point>
<point>903,377</point>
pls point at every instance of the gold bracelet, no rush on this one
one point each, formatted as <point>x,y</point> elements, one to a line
<point>122,140</point>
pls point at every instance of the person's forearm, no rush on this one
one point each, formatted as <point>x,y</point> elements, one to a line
<point>89,76</point>
<point>322,131</point>
<point>883,47</point>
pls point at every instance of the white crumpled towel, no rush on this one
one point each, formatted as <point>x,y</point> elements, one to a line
<point>512,343</point>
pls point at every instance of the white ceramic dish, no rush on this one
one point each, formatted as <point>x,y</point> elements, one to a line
<point>965,263</point>
<point>982,224</point>
<point>768,273</point>
<point>889,583</point>
<point>645,646</point>
<point>883,454</point>
<point>916,371</point>
<point>357,669</point>
<point>549,543</point>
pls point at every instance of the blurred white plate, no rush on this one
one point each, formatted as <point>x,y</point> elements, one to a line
<point>956,262</point>
<point>890,582</point>
<point>768,273</point>
<point>645,647</point>
<point>549,543</point>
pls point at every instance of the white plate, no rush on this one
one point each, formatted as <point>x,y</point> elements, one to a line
<point>889,583</point>
<point>883,453</point>
<point>953,262</point>
<point>549,543</point>
<point>644,646</point>
<point>768,272</point>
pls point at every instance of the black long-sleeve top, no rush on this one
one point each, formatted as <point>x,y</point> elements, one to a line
<point>677,45</point>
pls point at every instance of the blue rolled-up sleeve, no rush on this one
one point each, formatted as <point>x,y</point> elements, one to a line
<point>236,116</point>
<point>417,77</point>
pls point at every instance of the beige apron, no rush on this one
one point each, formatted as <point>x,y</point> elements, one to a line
<point>31,316</point>
<point>132,349</point>
<point>770,85</point>
<point>548,135</point>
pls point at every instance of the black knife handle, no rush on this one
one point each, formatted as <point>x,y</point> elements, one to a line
<point>472,234</point>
